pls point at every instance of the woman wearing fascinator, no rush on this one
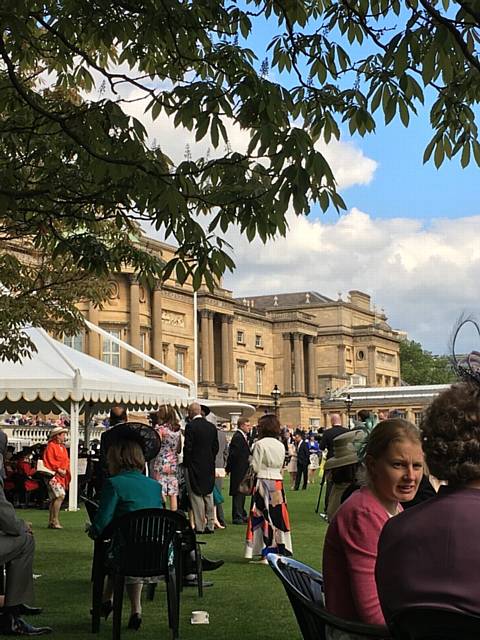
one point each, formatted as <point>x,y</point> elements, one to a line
<point>429,555</point>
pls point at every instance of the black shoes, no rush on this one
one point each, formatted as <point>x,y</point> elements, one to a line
<point>135,621</point>
<point>193,582</point>
<point>211,565</point>
<point>25,610</point>
<point>106,609</point>
<point>12,626</point>
<point>204,532</point>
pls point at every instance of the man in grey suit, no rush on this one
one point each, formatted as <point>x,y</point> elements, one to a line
<point>17,549</point>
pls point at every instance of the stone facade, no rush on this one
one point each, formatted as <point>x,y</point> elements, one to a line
<point>306,343</point>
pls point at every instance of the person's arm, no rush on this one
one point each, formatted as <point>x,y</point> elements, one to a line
<point>323,443</point>
<point>215,445</point>
<point>10,525</point>
<point>232,452</point>
<point>188,445</point>
<point>257,455</point>
<point>359,533</point>
<point>106,510</point>
<point>225,449</point>
<point>50,458</point>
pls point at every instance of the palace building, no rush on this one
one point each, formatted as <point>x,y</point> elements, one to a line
<point>307,344</point>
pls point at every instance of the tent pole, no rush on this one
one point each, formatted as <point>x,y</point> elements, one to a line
<point>74,426</point>
<point>87,418</point>
<point>195,345</point>
<point>190,384</point>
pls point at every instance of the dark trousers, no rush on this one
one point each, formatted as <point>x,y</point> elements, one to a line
<point>18,560</point>
<point>302,470</point>
<point>238,507</point>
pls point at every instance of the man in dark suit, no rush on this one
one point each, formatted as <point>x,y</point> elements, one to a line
<point>200,449</point>
<point>303,459</point>
<point>330,434</point>
<point>17,548</point>
<point>237,465</point>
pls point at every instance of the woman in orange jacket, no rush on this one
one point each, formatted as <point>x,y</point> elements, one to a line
<point>55,457</point>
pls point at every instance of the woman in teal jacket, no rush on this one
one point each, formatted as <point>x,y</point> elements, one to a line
<point>125,491</point>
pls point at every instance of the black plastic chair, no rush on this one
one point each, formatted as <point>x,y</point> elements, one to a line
<point>189,544</point>
<point>143,543</point>
<point>304,587</point>
<point>429,623</point>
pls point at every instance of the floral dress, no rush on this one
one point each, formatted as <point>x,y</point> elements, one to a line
<point>164,466</point>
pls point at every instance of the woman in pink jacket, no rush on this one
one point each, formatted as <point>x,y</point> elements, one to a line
<point>393,461</point>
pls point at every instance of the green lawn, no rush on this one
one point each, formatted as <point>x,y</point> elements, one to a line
<point>247,600</point>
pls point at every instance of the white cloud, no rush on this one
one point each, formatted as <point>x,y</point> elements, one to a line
<point>424,276</point>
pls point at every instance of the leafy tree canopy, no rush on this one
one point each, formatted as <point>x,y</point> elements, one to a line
<point>76,169</point>
<point>421,367</point>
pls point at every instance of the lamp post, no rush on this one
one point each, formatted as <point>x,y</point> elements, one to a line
<point>348,404</point>
<point>275,393</point>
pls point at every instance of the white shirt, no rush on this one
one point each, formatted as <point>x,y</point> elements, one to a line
<point>268,456</point>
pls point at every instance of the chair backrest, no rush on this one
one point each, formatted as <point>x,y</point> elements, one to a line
<point>145,541</point>
<point>430,623</point>
<point>304,587</point>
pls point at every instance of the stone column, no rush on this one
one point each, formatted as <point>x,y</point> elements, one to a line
<point>134,323</point>
<point>226,351</point>
<point>341,360</point>
<point>299,363</point>
<point>231,371</point>
<point>371,377</point>
<point>157,337</point>
<point>93,337</point>
<point>312,377</point>
<point>211,347</point>
<point>204,344</point>
<point>287,364</point>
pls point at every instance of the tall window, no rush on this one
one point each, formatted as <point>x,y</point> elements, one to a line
<point>258,341</point>
<point>111,350</point>
<point>241,377</point>
<point>240,337</point>
<point>259,380</point>
<point>180,362</point>
<point>75,342</point>
<point>144,342</point>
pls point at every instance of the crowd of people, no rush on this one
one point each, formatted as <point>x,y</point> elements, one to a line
<point>374,474</point>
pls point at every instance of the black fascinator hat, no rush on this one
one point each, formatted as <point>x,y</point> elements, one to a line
<point>146,437</point>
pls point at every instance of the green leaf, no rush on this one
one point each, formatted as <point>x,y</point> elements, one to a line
<point>465,160</point>
<point>439,154</point>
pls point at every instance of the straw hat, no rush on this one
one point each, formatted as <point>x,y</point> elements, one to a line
<point>344,450</point>
<point>56,431</point>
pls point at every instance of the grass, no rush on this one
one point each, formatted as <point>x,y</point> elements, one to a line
<point>246,601</point>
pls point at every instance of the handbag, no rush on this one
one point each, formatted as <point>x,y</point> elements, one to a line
<point>43,470</point>
<point>248,482</point>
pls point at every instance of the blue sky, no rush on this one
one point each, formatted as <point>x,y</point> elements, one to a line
<point>403,185</point>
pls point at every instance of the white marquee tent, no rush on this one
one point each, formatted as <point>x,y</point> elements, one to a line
<point>57,378</point>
